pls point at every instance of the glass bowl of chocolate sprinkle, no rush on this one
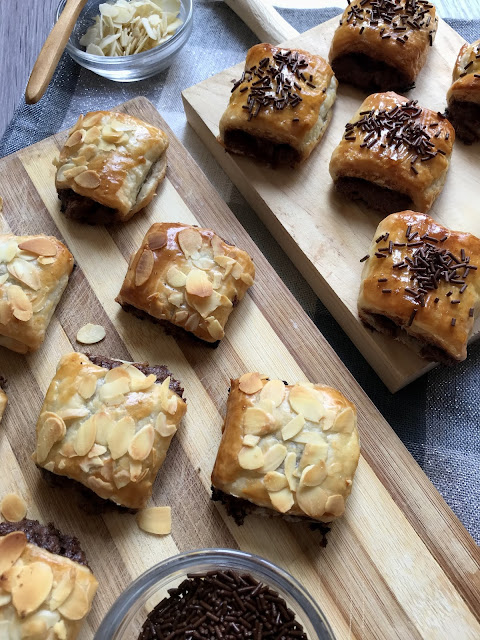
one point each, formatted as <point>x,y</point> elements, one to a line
<point>215,594</point>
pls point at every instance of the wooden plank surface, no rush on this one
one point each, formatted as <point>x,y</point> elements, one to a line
<point>319,228</point>
<point>398,565</point>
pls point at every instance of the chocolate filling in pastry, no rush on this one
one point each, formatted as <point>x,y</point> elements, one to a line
<point>239,509</point>
<point>365,72</point>
<point>274,153</point>
<point>84,209</point>
<point>373,195</point>
<point>465,117</point>
<point>47,537</point>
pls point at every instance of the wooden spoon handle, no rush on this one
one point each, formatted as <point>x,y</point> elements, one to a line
<point>51,51</point>
<point>263,20</point>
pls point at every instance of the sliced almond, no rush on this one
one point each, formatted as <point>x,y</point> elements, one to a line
<point>250,440</point>
<point>110,135</point>
<point>75,171</point>
<point>176,298</point>
<point>237,270</point>
<point>121,478</point>
<point>113,391</point>
<point>5,598</point>
<point>32,587</point>
<point>313,474</point>
<point>104,425</point>
<point>250,383</point>
<point>198,284</point>
<point>6,311</point>
<point>172,404</point>
<point>138,380</point>
<point>216,279</point>
<point>77,605</point>
<point>19,302</point>
<point>313,453</point>
<point>73,413</point>
<point>175,277</point>
<point>335,468</point>
<point>88,179</point>
<point>3,278</point>
<point>214,328</point>
<point>257,422</point>
<point>226,263</point>
<point>11,548</point>
<point>25,272</point>
<point>39,246</point>
<point>117,373</point>
<point>13,507</point>
<point>85,437</point>
<point>8,250</point>
<point>275,481</point>
<point>312,500</point>
<point>293,427</point>
<point>192,323</point>
<point>273,457</point>
<point>345,421</point>
<point>77,137</point>
<point>204,263</point>
<point>92,118</point>
<point>250,458</point>
<point>157,520</point>
<point>335,505</point>
<point>87,386</point>
<point>282,500</point>
<point>190,241</point>
<point>217,245</point>
<point>247,279</point>
<point>273,390</point>
<point>164,428</point>
<point>62,589</point>
<point>92,136</point>
<point>306,401</point>
<point>289,466</point>
<point>89,151</point>
<point>309,437</point>
<point>120,437</point>
<point>52,429</point>
<point>144,267</point>
<point>206,306</point>
<point>142,443</point>
<point>156,240</point>
<point>91,333</point>
<point>180,317</point>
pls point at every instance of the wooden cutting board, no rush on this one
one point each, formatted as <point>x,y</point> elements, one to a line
<point>398,565</point>
<point>325,234</point>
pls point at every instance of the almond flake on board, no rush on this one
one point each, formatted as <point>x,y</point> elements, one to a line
<point>91,333</point>
<point>13,507</point>
<point>156,520</point>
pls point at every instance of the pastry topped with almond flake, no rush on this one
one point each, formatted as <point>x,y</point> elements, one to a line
<point>108,425</point>
<point>293,449</point>
<point>187,277</point>
<point>109,167</point>
<point>464,95</point>
<point>47,588</point>
<point>34,272</point>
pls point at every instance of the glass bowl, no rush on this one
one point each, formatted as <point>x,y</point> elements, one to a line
<point>125,619</point>
<point>127,68</point>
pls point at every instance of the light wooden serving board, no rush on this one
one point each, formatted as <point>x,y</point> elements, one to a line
<point>325,234</point>
<point>398,565</point>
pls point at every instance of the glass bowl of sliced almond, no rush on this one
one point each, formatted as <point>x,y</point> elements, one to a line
<point>129,40</point>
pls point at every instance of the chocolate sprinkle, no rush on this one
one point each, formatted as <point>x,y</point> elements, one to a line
<point>453,322</point>
<point>364,258</point>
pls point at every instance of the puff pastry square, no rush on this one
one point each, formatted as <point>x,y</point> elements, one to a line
<point>45,596</point>
<point>108,425</point>
<point>464,95</point>
<point>421,284</point>
<point>394,154</point>
<point>188,277</point>
<point>383,45</point>
<point>280,107</point>
<point>293,449</point>
<point>110,167</point>
<point>34,272</point>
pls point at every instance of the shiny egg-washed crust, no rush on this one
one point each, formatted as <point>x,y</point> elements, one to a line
<point>107,428</point>
<point>466,75</point>
<point>276,125</point>
<point>379,41</point>
<point>3,403</point>
<point>391,167</point>
<point>115,160</point>
<point>160,280</point>
<point>298,478</point>
<point>43,595</point>
<point>31,285</point>
<point>431,327</point>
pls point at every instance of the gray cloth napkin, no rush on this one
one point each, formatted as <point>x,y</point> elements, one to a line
<point>437,417</point>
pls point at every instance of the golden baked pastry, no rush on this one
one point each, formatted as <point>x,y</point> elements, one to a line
<point>108,425</point>
<point>290,448</point>
<point>383,45</point>
<point>110,167</point>
<point>464,95</point>
<point>43,595</point>
<point>34,272</point>
<point>421,284</point>
<point>187,277</point>
<point>280,107</point>
<point>394,155</point>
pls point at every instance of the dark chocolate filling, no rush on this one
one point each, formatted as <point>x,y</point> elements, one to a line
<point>47,537</point>
<point>239,509</point>
<point>84,209</point>
<point>169,328</point>
<point>365,72</point>
<point>159,370</point>
<point>465,117</point>
<point>373,195</point>
<point>274,153</point>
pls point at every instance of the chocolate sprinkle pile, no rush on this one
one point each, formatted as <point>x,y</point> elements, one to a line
<point>275,82</point>
<point>222,605</point>
<point>400,15</point>
<point>395,127</point>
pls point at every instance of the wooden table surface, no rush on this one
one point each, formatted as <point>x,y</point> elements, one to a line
<point>22,38</point>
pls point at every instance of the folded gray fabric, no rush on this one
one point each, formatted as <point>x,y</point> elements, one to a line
<point>437,417</point>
